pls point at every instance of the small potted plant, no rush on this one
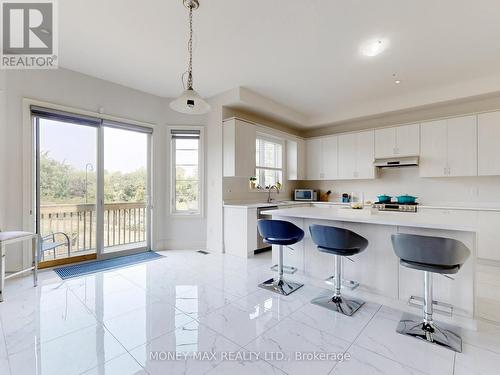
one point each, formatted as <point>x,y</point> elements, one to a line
<point>253,182</point>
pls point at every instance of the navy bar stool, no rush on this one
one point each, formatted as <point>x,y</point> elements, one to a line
<point>431,255</point>
<point>339,242</point>
<point>282,233</point>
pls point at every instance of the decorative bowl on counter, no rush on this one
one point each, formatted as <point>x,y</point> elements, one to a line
<point>357,205</point>
<point>406,199</point>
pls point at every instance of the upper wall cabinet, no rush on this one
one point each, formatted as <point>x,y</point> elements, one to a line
<point>239,148</point>
<point>397,141</point>
<point>296,159</point>
<point>322,158</point>
<point>488,143</point>
<point>449,147</point>
<point>356,155</point>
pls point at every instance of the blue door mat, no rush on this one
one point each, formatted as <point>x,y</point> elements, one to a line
<point>105,265</point>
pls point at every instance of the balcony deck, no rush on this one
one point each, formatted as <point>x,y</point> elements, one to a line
<point>124,227</point>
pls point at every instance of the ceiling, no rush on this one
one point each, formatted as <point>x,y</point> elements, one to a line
<point>303,54</point>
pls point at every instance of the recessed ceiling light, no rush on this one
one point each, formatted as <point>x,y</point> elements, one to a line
<point>374,47</point>
<point>397,82</point>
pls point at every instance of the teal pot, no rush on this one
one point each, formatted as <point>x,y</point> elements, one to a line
<point>405,199</point>
<point>384,198</point>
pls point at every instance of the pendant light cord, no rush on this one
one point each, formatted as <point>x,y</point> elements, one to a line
<point>190,50</point>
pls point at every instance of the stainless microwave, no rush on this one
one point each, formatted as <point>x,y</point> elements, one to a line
<point>305,195</point>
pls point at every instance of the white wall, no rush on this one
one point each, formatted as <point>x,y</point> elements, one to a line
<point>68,88</point>
<point>2,149</point>
<point>463,191</point>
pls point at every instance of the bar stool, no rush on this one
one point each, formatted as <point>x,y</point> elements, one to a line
<point>431,255</point>
<point>282,233</point>
<point>341,243</point>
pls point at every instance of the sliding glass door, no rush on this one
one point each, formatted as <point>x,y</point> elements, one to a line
<point>126,217</point>
<point>67,210</point>
<point>92,187</point>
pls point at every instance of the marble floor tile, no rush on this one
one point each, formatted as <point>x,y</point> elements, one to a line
<point>200,300</point>
<point>290,337</point>
<point>241,284</point>
<point>71,354</point>
<point>34,325</point>
<point>118,303</point>
<point>264,301</point>
<point>4,360</point>
<point>380,337</point>
<point>189,302</point>
<point>345,327</point>
<point>487,336</point>
<point>476,361</point>
<point>237,324</point>
<point>362,361</point>
<point>186,341</point>
<point>251,367</point>
<point>139,326</point>
<point>98,285</point>
<point>124,364</point>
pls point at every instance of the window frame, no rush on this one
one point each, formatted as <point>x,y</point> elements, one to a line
<point>276,140</point>
<point>201,173</point>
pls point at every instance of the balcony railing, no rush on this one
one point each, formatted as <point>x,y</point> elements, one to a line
<point>124,224</point>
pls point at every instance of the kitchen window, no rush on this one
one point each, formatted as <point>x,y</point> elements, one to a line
<point>186,170</point>
<point>269,161</point>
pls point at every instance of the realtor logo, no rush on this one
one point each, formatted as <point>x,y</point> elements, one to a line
<point>29,34</point>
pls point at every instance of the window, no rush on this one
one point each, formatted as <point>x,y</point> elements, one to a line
<point>269,161</point>
<point>186,171</point>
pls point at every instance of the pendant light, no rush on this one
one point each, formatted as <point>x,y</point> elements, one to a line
<point>190,102</point>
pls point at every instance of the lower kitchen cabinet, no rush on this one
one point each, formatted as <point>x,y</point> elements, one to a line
<point>240,231</point>
<point>488,292</point>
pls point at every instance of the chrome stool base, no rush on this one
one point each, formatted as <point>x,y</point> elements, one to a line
<point>286,269</point>
<point>339,304</point>
<point>280,286</point>
<point>442,335</point>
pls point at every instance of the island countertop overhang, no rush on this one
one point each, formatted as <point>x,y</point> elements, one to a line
<point>428,220</point>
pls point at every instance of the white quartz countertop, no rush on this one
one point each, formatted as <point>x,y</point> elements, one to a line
<point>263,204</point>
<point>456,206</point>
<point>428,219</point>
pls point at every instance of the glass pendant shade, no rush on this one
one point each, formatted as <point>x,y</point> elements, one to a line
<point>190,103</point>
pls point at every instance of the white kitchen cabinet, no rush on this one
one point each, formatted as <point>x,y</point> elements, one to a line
<point>296,159</point>
<point>488,235</point>
<point>313,152</point>
<point>239,148</point>
<point>397,141</point>
<point>329,158</point>
<point>322,158</point>
<point>449,147</point>
<point>488,130</point>
<point>356,155</point>
<point>240,231</point>
<point>462,146</point>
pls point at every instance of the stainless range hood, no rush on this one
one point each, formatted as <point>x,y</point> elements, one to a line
<point>407,161</point>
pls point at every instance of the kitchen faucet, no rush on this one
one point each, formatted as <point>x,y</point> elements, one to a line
<point>269,189</point>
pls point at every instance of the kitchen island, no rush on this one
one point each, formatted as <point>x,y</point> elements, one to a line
<point>377,269</point>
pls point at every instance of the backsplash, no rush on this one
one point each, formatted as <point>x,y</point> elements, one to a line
<point>463,191</point>
<point>237,189</point>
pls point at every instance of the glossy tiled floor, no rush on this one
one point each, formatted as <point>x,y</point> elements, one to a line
<point>110,323</point>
